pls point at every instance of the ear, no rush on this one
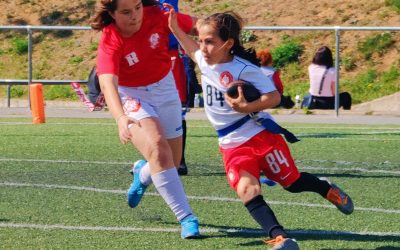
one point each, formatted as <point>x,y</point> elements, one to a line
<point>229,43</point>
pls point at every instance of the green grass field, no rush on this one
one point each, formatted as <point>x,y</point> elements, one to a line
<point>63,184</point>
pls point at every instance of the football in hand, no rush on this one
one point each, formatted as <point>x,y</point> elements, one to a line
<point>250,92</point>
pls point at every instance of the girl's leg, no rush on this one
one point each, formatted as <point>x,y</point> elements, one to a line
<point>310,183</point>
<point>150,141</point>
<point>176,147</point>
<point>249,192</point>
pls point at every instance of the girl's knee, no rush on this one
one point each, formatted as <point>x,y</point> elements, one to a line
<point>158,149</point>
<point>246,192</point>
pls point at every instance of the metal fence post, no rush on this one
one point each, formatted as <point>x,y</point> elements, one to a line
<point>29,63</point>
<point>8,95</point>
<point>337,64</point>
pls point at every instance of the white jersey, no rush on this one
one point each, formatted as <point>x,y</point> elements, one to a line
<point>215,80</point>
<point>268,71</point>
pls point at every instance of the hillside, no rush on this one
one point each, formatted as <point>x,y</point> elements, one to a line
<point>61,55</point>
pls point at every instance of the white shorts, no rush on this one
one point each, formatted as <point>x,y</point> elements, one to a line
<point>159,100</point>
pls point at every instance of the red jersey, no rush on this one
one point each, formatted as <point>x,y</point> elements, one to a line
<point>142,58</point>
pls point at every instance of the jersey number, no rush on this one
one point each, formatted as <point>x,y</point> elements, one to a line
<point>275,159</point>
<point>217,96</point>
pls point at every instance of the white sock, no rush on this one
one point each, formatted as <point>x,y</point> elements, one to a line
<point>169,186</point>
<point>145,176</point>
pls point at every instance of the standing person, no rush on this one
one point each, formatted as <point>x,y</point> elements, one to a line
<point>323,83</point>
<point>265,58</point>
<point>134,69</point>
<point>178,70</point>
<point>248,148</point>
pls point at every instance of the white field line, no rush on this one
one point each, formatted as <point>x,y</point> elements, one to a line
<point>204,198</point>
<point>357,169</point>
<point>174,230</point>
<point>350,139</point>
<point>202,126</point>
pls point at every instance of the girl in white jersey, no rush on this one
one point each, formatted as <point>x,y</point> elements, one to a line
<point>247,148</point>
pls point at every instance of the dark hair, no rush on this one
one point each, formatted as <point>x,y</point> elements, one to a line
<point>102,17</point>
<point>229,25</point>
<point>323,56</point>
<point>265,57</point>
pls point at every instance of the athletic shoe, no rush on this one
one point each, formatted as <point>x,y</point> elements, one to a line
<point>183,170</point>
<point>137,189</point>
<point>339,198</point>
<point>190,227</point>
<point>281,243</point>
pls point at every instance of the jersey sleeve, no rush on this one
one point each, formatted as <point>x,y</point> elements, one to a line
<point>255,76</point>
<point>109,53</point>
<point>185,22</point>
<point>199,58</point>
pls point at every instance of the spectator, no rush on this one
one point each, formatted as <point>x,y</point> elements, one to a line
<point>265,58</point>
<point>323,83</point>
<point>193,83</point>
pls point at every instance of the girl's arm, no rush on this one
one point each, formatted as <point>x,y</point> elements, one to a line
<point>189,45</point>
<point>333,88</point>
<point>109,86</point>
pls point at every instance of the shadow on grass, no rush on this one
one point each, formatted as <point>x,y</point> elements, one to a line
<point>4,220</point>
<point>344,135</point>
<point>356,176</point>
<point>300,235</point>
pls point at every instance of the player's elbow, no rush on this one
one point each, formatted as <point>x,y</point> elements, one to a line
<point>275,99</point>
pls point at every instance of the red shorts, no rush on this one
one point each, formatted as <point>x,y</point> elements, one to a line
<point>264,152</point>
<point>179,74</point>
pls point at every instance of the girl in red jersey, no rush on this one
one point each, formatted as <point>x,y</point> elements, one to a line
<point>247,147</point>
<point>134,69</point>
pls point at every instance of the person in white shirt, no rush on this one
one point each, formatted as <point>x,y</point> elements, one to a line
<point>246,146</point>
<point>323,82</point>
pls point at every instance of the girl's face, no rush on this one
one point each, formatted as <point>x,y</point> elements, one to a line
<point>213,48</point>
<point>128,16</point>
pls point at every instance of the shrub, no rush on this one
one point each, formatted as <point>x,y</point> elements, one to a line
<point>287,52</point>
<point>379,43</point>
<point>75,60</point>
<point>59,92</point>
<point>247,36</point>
<point>18,91</point>
<point>20,45</point>
<point>348,63</point>
<point>394,3</point>
<point>94,46</point>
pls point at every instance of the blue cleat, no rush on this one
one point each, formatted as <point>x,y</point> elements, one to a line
<point>268,182</point>
<point>190,227</point>
<point>137,189</point>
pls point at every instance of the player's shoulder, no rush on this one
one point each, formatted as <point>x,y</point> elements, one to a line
<point>111,35</point>
<point>244,63</point>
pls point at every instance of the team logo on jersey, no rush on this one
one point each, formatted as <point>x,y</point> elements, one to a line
<point>131,105</point>
<point>132,58</point>
<point>225,78</point>
<point>232,176</point>
<point>154,40</point>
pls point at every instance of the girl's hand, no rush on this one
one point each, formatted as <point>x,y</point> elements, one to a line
<point>172,19</point>
<point>123,123</point>
<point>239,103</point>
